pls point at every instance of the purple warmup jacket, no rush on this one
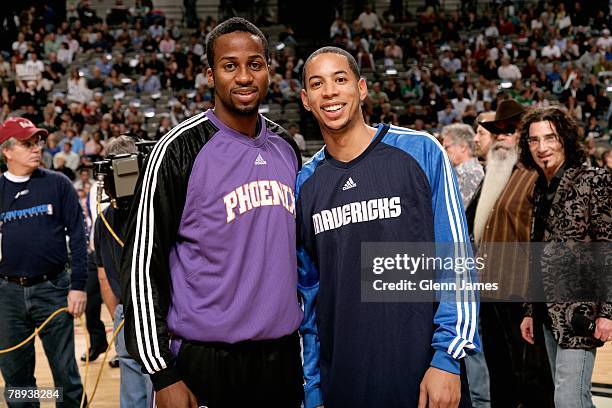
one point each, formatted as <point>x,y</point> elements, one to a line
<point>210,248</point>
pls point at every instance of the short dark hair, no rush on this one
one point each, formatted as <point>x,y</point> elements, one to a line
<point>332,50</point>
<point>234,24</point>
<point>567,132</point>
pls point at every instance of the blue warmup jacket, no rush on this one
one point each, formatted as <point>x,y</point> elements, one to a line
<point>359,354</point>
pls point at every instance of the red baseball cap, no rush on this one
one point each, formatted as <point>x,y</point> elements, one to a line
<point>20,129</point>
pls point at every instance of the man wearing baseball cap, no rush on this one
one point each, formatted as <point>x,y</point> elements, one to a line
<point>38,208</point>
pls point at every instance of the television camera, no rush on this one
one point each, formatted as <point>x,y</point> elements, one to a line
<point>117,175</point>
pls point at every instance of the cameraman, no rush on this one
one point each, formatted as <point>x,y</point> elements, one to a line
<point>135,386</point>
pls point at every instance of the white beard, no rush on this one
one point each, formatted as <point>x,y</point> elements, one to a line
<point>500,163</point>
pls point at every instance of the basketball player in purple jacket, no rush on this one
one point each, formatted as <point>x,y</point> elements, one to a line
<point>209,266</point>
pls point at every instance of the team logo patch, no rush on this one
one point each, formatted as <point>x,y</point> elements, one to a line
<point>259,161</point>
<point>349,184</point>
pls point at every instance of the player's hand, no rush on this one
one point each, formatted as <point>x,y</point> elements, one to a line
<point>439,389</point>
<point>603,329</point>
<point>176,395</point>
<point>527,329</point>
<point>77,300</point>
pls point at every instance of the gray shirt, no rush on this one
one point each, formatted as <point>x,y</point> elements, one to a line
<point>469,175</point>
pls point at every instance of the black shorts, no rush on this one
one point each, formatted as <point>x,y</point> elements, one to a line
<point>245,374</point>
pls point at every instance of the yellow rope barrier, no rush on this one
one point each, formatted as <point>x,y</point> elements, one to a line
<point>110,229</point>
<point>36,331</point>
<point>86,334</point>
<point>104,359</point>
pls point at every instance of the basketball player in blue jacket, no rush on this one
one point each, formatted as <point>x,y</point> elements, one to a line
<point>383,184</point>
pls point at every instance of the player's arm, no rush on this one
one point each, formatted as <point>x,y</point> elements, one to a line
<point>456,318</point>
<point>108,297</point>
<point>151,231</point>
<point>72,217</point>
<point>308,289</point>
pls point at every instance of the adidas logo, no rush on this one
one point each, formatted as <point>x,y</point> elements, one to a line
<point>260,160</point>
<point>349,184</point>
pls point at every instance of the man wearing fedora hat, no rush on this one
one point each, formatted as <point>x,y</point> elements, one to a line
<point>38,208</point>
<point>501,225</point>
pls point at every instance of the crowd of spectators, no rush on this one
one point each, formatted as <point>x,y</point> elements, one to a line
<point>87,78</point>
<point>429,70</point>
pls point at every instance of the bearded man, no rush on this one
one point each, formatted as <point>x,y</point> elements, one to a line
<point>502,221</point>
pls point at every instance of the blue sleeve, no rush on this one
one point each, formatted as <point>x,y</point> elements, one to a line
<point>308,289</point>
<point>72,215</point>
<point>456,319</point>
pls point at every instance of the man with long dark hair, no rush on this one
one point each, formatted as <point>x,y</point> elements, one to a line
<point>501,227</point>
<point>572,205</point>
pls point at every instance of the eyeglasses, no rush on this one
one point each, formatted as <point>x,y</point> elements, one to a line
<point>546,139</point>
<point>33,143</point>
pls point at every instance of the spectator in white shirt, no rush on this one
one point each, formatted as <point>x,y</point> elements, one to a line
<point>605,42</point>
<point>71,159</point>
<point>201,79</point>
<point>508,71</point>
<point>77,88</point>
<point>64,55</point>
<point>460,103</point>
<point>369,19</point>
<point>551,50</point>
<point>536,24</point>
<point>34,65</point>
<point>492,31</point>
<point>20,45</point>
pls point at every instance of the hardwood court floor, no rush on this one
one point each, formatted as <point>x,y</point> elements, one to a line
<point>107,394</point>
